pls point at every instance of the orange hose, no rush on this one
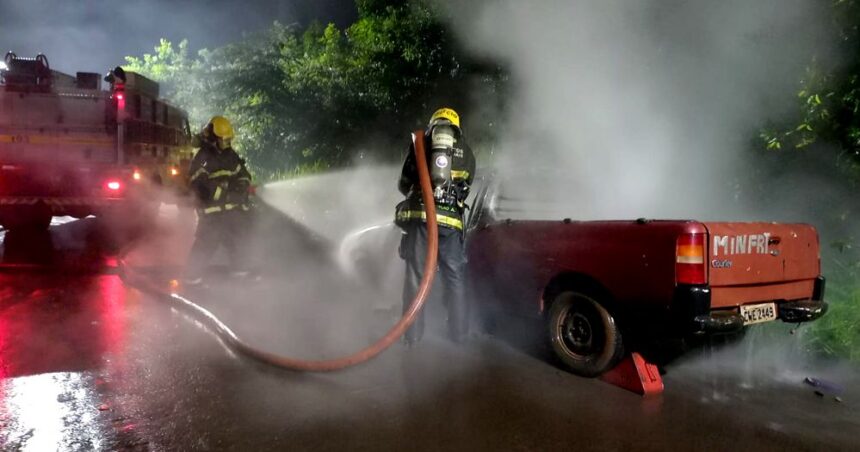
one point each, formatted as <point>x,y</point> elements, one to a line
<point>370,351</point>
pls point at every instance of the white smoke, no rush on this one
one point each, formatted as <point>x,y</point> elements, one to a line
<point>639,109</point>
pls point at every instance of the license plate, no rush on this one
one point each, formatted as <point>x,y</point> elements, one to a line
<point>758,313</point>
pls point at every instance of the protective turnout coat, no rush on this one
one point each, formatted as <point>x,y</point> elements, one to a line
<point>448,214</point>
<point>220,180</point>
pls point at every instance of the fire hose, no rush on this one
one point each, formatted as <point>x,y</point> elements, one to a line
<point>365,354</point>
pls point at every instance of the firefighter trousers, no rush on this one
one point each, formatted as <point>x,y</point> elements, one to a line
<point>214,230</point>
<point>451,274</point>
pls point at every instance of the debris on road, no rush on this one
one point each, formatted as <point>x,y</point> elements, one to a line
<point>824,385</point>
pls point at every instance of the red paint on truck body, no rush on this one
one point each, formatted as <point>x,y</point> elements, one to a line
<point>634,261</point>
<point>639,263</point>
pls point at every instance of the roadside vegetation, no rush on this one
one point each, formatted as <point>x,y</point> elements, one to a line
<point>823,137</point>
<point>308,99</point>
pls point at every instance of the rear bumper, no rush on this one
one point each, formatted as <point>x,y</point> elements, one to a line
<point>802,311</point>
<point>718,322</point>
<point>691,310</point>
<point>58,201</point>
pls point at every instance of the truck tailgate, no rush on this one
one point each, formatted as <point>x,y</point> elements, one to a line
<point>751,262</point>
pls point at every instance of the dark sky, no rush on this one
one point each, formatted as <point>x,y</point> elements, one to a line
<point>94,35</point>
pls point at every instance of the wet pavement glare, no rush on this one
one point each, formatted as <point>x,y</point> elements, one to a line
<point>90,364</point>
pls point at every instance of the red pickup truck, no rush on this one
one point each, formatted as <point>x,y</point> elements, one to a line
<point>600,285</point>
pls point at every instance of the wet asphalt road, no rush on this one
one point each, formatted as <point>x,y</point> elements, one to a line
<point>89,364</point>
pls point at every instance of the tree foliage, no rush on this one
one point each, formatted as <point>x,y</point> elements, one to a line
<point>320,96</point>
<point>828,113</point>
<point>827,124</point>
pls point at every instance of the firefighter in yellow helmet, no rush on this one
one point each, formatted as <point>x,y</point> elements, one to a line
<point>221,184</point>
<point>452,170</point>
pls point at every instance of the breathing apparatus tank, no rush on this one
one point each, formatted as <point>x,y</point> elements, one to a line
<point>442,138</point>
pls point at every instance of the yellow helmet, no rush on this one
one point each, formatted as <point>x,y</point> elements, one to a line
<point>444,116</point>
<point>221,127</point>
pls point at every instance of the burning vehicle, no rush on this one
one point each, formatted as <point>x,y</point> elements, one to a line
<point>600,288</point>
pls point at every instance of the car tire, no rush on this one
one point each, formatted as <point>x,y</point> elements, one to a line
<point>28,218</point>
<point>583,334</point>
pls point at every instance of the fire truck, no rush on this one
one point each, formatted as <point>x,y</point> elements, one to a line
<point>70,147</point>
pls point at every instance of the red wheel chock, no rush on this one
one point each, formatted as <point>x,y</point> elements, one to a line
<point>635,374</point>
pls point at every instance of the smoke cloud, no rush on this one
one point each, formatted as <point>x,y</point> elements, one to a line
<point>640,109</point>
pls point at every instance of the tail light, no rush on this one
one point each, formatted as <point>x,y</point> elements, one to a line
<point>690,259</point>
<point>113,185</point>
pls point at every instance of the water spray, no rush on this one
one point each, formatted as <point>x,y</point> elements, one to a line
<point>328,365</point>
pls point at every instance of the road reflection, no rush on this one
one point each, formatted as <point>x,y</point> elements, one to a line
<point>62,323</point>
<point>44,412</point>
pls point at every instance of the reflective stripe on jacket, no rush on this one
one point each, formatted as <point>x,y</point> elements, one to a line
<point>444,220</point>
<point>225,208</point>
<point>219,179</point>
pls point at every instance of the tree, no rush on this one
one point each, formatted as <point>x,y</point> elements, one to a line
<point>828,116</point>
<point>321,97</point>
<point>827,123</point>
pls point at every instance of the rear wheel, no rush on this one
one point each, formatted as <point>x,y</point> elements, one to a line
<point>32,218</point>
<point>583,334</point>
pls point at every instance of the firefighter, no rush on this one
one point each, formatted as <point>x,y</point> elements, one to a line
<point>452,170</point>
<point>221,183</point>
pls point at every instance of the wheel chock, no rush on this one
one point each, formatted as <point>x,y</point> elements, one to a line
<point>635,374</point>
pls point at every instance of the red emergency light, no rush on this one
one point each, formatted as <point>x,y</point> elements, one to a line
<point>120,101</point>
<point>113,185</point>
